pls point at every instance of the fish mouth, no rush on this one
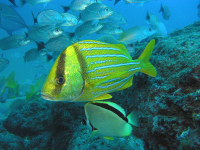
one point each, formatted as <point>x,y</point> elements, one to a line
<point>46,97</point>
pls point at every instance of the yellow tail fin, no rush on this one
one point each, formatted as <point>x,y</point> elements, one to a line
<point>147,67</point>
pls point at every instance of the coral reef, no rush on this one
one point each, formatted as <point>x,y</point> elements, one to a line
<point>81,140</point>
<point>168,106</point>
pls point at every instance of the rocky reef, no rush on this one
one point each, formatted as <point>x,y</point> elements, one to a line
<point>168,106</point>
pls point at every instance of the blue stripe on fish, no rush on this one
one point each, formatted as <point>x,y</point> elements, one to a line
<point>116,65</point>
<point>133,69</point>
<point>98,77</point>
<point>108,91</point>
<point>90,42</point>
<point>99,48</point>
<point>112,80</point>
<point>106,55</point>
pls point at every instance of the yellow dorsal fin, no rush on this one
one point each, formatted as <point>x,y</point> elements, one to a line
<point>147,67</point>
<point>10,82</point>
<point>103,97</point>
<point>108,138</point>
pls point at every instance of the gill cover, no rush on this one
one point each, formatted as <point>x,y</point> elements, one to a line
<point>64,82</point>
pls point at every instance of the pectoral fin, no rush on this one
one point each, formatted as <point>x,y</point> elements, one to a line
<point>103,97</point>
<point>95,132</point>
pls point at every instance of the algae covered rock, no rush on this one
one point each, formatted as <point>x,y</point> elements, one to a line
<point>80,140</point>
<point>168,106</point>
<point>9,140</point>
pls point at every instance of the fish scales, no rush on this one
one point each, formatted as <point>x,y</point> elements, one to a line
<point>103,60</point>
<point>89,70</point>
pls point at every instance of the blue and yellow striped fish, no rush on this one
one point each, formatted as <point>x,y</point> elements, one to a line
<point>89,70</point>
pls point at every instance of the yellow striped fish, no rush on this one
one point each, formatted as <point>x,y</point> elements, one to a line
<point>89,70</point>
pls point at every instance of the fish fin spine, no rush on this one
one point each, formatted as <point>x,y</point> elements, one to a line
<point>161,8</point>
<point>34,18</point>
<point>147,16</point>
<point>146,66</point>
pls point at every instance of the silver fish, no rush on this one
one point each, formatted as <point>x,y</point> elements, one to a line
<point>78,5</point>
<point>133,1</point>
<point>13,41</point>
<point>117,18</point>
<point>88,27</point>
<point>35,53</point>
<point>48,17</point>
<point>33,2</point>
<point>59,43</point>
<point>3,63</point>
<point>165,12</point>
<point>95,11</point>
<point>136,33</point>
<point>44,32</point>
<point>69,19</point>
<point>110,28</point>
<point>151,20</point>
<point>10,20</point>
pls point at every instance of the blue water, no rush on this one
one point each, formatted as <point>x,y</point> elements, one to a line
<point>183,13</point>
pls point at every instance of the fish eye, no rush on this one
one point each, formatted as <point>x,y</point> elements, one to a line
<point>150,29</point>
<point>60,80</point>
<point>106,9</point>
<point>57,30</point>
<point>118,28</point>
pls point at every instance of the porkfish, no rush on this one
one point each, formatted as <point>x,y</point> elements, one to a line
<point>88,70</point>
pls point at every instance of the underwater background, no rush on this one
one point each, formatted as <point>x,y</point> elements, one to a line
<point>168,105</point>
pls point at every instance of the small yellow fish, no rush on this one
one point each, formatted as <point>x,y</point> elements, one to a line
<point>89,70</point>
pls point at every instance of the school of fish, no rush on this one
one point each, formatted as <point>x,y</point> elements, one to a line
<point>84,70</point>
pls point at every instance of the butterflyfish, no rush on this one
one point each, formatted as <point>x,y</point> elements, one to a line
<point>109,120</point>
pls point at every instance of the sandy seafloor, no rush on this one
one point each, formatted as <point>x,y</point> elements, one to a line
<point>168,105</point>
